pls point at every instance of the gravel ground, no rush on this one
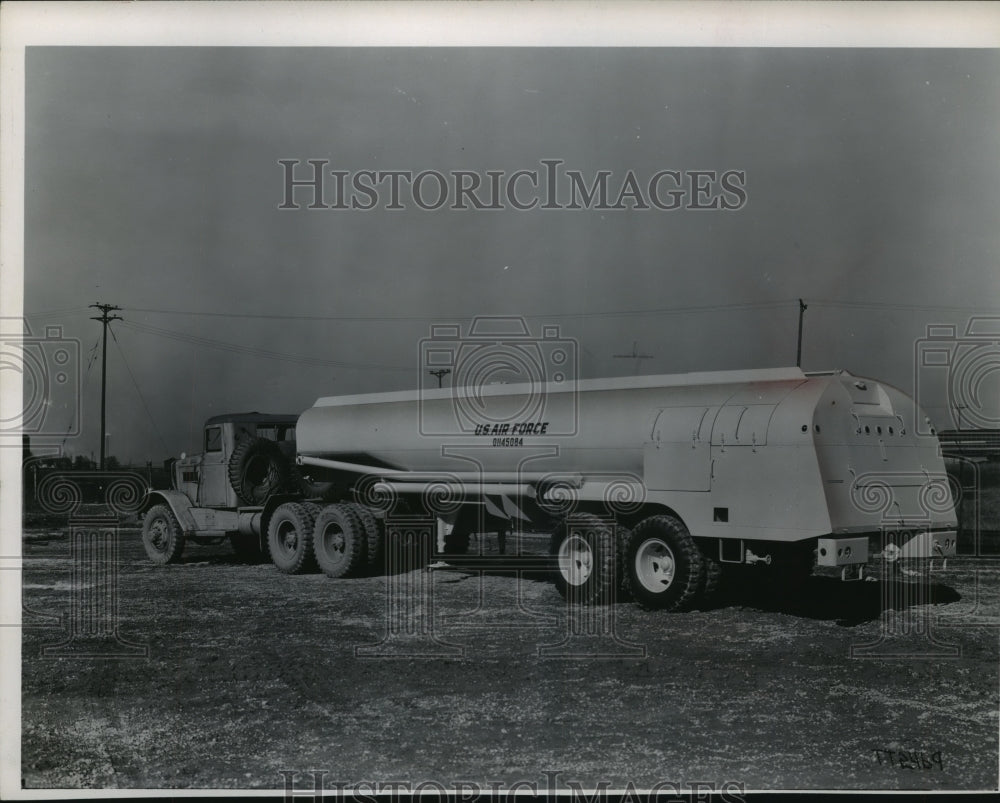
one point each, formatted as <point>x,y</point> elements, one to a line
<point>248,673</point>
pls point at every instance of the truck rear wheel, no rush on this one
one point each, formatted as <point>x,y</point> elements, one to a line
<point>584,549</point>
<point>664,568</point>
<point>340,541</point>
<point>374,546</point>
<point>257,469</point>
<point>289,538</point>
<point>162,536</point>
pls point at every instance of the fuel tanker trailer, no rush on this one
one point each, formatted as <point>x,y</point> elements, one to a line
<point>650,486</point>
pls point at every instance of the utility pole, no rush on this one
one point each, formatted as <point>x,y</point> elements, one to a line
<point>105,319</point>
<point>635,355</point>
<point>440,373</point>
<point>798,354</point>
<point>958,409</point>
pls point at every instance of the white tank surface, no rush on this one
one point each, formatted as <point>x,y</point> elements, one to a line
<point>760,454</point>
<point>597,425</point>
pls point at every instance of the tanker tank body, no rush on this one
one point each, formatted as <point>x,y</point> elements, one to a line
<point>659,481</point>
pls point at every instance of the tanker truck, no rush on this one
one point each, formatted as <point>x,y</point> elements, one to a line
<point>648,486</point>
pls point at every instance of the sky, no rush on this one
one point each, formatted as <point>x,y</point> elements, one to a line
<point>153,182</point>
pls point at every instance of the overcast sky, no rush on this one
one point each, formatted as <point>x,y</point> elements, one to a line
<point>872,180</point>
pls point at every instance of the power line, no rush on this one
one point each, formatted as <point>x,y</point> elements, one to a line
<point>875,305</point>
<point>50,313</point>
<point>145,406</point>
<point>635,355</point>
<point>440,373</point>
<point>235,348</point>
<point>83,389</point>
<point>436,318</point>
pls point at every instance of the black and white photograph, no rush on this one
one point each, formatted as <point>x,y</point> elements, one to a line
<point>499,399</point>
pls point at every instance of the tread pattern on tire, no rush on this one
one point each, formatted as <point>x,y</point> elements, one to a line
<point>622,535</point>
<point>279,476</point>
<point>175,546</point>
<point>685,591</point>
<point>355,539</point>
<point>602,584</point>
<point>374,542</point>
<point>713,578</point>
<point>302,516</point>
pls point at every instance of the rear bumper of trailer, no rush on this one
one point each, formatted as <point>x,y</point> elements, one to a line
<point>890,545</point>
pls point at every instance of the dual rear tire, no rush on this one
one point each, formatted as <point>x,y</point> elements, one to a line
<point>342,540</point>
<point>657,564</point>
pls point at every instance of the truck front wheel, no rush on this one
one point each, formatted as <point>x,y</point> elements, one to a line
<point>584,549</point>
<point>289,538</point>
<point>162,536</point>
<point>664,568</point>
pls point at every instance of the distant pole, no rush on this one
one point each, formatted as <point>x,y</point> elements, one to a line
<point>798,354</point>
<point>635,355</point>
<point>440,373</point>
<point>958,409</point>
<point>105,319</point>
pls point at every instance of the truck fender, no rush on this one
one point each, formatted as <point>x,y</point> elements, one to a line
<point>177,502</point>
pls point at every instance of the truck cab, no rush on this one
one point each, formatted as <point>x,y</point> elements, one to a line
<point>247,469</point>
<point>207,478</point>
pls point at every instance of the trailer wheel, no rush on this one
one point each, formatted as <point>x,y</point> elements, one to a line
<point>289,538</point>
<point>340,538</point>
<point>374,551</point>
<point>584,549</point>
<point>664,568</point>
<point>257,469</point>
<point>162,536</point>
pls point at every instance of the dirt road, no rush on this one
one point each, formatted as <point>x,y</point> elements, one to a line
<point>248,673</point>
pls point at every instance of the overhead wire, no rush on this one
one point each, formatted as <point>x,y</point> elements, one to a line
<point>142,398</point>
<point>83,388</point>
<point>236,348</point>
<point>445,317</point>
<point>676,310</point>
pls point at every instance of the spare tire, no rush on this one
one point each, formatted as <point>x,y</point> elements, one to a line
<point>257,469</point>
